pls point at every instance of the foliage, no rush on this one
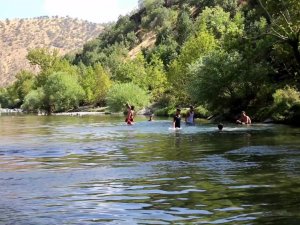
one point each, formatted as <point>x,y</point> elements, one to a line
<point>149,76</point>
<point>42,57</point>
<point>284,100</point>
<point>158,18</point>
<point>133,71</point>
<point>95,81</point>
<point>122,93</point>
<point>214,81</point>
<point>4,98</point>
<point>24,83</point>
<point>62,92</point>
<point>13,96</point>
<point>191,51</point>
<point>219,23</point>
<point>48,62</point>
<point>201,112</point>
<point>156,77</point>
<point>184,26</point>
<point>166,47</point>
<point>34,100</point>
<point>166,111</point>
<point>284,23</point>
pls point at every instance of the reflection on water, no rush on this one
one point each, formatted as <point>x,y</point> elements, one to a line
<point>95,169</point>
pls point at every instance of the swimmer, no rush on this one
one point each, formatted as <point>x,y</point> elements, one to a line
<point>220,126</point>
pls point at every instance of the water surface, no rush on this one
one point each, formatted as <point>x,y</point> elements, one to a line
<point>97,170</point>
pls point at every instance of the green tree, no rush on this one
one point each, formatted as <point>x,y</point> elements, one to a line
<point>219,23</point>
<point>24,84</point>
<point>157,16</point>
<point>156,77</point>
<point>133,70</point>
<point>284,22</point>
<point>101,85</point>
<point>62,92</point>
<point>284,100</point>
<point>48,61</point>
<point>4,98</point>
<point>224,82</point>
<point>184,26</point>
<point>194,48</point>
<point>13,95</point>
<point>34,101</point>
<point>42,57</point>
<point>120,94</point>
<point>95,81</point>
<point>166,47</point>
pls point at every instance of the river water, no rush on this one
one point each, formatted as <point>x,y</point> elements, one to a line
<point>97,170</point>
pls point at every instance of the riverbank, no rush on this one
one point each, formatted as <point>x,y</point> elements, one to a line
<point>5,110</point>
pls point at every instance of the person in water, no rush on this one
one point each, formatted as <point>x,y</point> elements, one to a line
<point>151,117</point>
<point>189,119</point>
<point>244,119</point>
<point>130,114</point>
<point>220,126</point>
<point>176,119</point>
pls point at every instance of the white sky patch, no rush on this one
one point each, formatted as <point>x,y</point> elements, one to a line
<point>92,10</point>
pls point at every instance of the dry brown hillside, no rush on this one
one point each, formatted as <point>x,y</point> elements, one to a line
<point>19,35</point>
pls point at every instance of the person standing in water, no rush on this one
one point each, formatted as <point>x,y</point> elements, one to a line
<point>130,114</point>
<point>244,119</point>
<point>176,119</point>
<point>189,119</point>
<point>151,117</point>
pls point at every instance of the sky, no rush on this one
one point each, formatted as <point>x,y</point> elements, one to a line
<point>99,11</point>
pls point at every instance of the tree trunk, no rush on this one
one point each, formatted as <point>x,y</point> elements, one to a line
<point>295,46</point>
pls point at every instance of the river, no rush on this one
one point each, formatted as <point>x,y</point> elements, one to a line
<point>97,170</point>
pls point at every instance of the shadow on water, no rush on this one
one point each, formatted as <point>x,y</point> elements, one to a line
<point>96,169</point>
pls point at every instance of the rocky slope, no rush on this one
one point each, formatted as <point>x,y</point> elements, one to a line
<point>19,35</point>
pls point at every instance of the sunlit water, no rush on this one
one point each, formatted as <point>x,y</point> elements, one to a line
<point>97,170</point>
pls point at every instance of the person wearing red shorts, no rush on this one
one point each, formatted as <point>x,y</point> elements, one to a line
<point>130,114</point>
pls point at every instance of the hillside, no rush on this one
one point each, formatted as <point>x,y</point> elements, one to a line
<point>222,56</point>
<point>19,35</point>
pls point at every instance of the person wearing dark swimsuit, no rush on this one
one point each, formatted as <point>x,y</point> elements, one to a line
<point>176,119</point>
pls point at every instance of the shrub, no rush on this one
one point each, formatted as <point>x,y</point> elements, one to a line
<point>33,101</point>
<point>62,92</point>
<point>167,111</point>
<point>120,94</point>
<point>284,100</point>
<point>201,112</point>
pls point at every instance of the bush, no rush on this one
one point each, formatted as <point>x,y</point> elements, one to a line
<point>120,94</point>
<point>62,92</point>
<point>4,98</point>
<point>284,100</point>
<point>294,115</point>
<point>33,101</point>
<point>224,82</point>
<point>201,112</point>
<point>167,111</point>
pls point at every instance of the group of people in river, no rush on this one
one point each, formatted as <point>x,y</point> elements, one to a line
<point>189,119</point>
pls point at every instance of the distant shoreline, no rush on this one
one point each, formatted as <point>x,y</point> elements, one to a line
<point>5,110</point>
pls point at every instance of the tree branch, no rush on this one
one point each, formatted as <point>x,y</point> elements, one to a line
<point>264,8</point>
<point>287,22</point>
